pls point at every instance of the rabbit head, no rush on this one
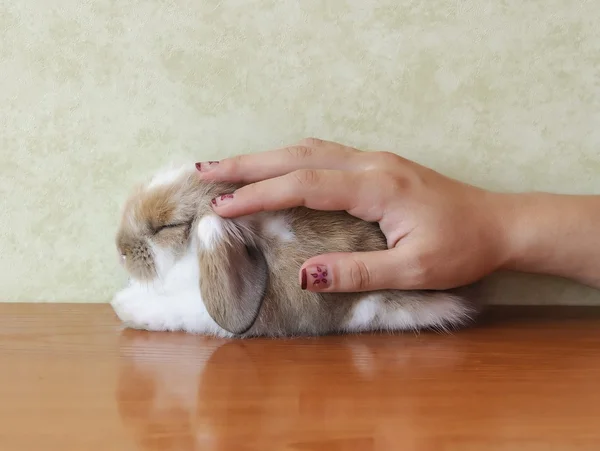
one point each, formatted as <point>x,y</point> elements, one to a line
<point>156,223</point>
<point>168,219</point>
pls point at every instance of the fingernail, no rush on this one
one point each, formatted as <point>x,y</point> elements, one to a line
<point>206,166</point>
<point>318,277</point>
<point>222,199</point>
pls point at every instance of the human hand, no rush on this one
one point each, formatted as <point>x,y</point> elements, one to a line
<point>441,233</point>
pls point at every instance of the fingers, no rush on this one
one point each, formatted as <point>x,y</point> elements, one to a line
<point>353,272</point>
<point>327,190</point>
<point>308,154</point>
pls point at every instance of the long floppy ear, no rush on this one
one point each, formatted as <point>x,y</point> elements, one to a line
<point>233,274</point>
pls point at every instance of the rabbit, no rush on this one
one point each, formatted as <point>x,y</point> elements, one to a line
<point>193,271</point>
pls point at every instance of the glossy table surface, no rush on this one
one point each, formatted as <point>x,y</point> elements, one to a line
<point>524,379</point>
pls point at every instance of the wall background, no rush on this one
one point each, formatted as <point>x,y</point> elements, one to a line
<point>96,94</point>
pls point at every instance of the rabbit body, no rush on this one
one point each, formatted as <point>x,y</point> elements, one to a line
<point>191,270</point>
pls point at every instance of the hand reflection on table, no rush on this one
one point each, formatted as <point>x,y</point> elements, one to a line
<point>183,392</point>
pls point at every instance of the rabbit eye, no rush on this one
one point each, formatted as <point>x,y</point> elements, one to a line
<point>170,226</point>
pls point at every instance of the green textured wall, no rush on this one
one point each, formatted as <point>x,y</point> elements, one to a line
<point>94,95</point>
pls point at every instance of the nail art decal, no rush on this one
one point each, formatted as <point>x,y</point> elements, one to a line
<point>317,276</point>
<point>206,166</point>
<point>223,198</point>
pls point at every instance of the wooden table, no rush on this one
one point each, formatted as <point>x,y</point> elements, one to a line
<point>524,379</point>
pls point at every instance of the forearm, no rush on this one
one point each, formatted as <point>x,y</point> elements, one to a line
<point>552,234</point>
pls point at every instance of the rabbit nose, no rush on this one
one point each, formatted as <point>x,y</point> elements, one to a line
<point>122,258</point>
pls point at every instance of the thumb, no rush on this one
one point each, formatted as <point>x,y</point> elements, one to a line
<point>351,272</point>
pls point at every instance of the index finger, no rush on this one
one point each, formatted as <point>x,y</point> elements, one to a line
<point>327,190</point>
<point>308,154</point>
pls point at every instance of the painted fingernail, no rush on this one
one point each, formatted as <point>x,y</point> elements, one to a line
<point>303,285</point>
<point>206,166</point>
<point>318,277</point>
<point>222,199</point>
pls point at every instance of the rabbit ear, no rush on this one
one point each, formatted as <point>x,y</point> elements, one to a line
<point>233,274</point>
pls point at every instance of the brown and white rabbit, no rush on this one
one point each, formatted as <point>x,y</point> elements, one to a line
<point>191,270</point>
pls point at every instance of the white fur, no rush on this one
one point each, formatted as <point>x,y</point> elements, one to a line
<point>167,176</point>
<point>172,302</point>
<point>278,227</point>
<point>163,259</point>
<point>364,313</point>
<point>439,312</point>
<point>210,230</point>
<point>404,319</point>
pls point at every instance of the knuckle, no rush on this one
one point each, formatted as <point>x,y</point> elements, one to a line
<point>384,159</point>
<point>311,142</point>
<point>375,177</point>
<point>394,183</point>
<point>300,152</point>
<point>383,183</point>
<point>306,177</point>
<point>359,274</point>
<point>386,180</point>
<point>233,164</point>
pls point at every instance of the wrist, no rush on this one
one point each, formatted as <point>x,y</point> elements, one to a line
<point>520,218</point>
<point>549,234</point>
<point>504,215</point>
